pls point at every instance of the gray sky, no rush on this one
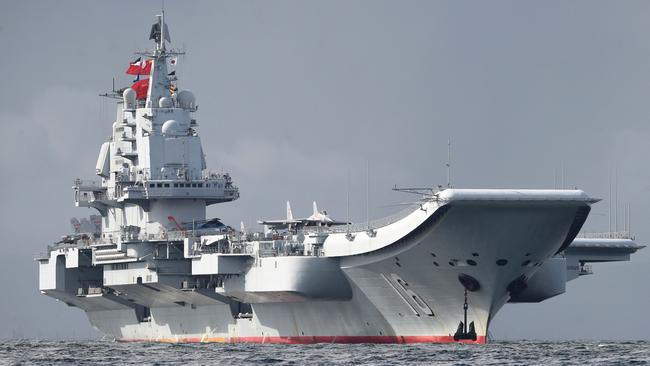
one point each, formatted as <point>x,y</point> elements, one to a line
<point>294,95</point>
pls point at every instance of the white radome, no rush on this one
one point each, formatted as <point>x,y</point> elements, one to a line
<point>129,96</point>
<point>172,128</point>
<point>165,102</point>
<point>185,99</point>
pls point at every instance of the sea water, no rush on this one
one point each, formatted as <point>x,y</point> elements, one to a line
<point>93,352</point>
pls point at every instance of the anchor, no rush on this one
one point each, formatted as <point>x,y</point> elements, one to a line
<point>464,332</point>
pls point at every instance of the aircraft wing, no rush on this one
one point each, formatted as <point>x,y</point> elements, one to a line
<point>320,222</point>
<point>279,223</point>
<point>338,223</point>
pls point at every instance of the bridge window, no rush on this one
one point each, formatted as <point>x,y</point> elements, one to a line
<point>166,185</point>
<point>175,185</point>
<point>159,185</point>
<point>151,185</point>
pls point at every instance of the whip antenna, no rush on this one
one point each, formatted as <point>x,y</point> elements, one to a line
<point>448,164</point>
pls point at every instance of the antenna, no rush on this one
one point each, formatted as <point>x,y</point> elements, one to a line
<point>616,200</point>
<point>448,164</point>
<point>609,203</point>
<point>368,194</point>
<point>162,29</point>
<point>348,201</point>
<point>624,217</point>
<point>629,219</point>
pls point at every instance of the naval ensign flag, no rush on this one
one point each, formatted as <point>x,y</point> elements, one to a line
<point>139,67</point>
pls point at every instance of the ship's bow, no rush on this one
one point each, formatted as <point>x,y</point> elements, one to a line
<point>449,276</point>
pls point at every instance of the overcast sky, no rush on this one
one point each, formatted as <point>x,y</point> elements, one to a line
<point>293,95</point>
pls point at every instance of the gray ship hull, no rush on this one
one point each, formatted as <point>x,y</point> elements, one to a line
<point>407,291</point>
<point>152,267</point>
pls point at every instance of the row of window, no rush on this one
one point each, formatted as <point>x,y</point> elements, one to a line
<point>118,266</point>
<point>184,185</point>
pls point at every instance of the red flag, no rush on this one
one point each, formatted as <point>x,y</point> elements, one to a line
<point>139,67</point>
<point>141,88</point>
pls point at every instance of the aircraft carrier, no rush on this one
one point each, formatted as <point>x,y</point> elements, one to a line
<point>152,267</point>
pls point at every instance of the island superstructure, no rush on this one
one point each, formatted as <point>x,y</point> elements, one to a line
<point>152,267</point>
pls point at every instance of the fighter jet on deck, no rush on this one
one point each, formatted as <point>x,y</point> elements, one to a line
<point>318,218</point>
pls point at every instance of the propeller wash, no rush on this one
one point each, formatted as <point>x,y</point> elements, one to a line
<point>152,267</point>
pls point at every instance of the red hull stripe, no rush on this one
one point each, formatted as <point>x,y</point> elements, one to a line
<point>313,339</point>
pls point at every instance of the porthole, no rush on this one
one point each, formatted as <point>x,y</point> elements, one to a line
<point>474,254</point>
<point>471,262</point>
<point>470,283</point>
<point>501,262</point>
<point>435,264</point>
<point>397,263</point>
<point>433,255</point>
<point>526,262</point>
<point>452,263</point>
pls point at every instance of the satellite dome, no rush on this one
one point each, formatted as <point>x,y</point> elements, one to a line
<point>129,98</point>
<point>185,99</point>
<point>165,102</point>
<point>172,128</point>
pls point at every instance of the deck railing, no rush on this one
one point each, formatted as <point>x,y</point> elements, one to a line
<point>606,235</point>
